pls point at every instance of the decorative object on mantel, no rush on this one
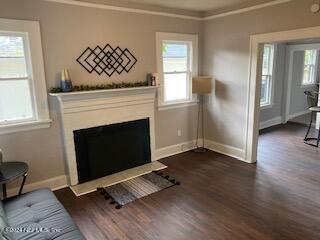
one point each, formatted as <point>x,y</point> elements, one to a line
<point>149,79</point>
<point>65,83</point>
<point>201,85</point>
<point>107,60</point>
<point>78,88</point>
<point>135,188</point>
<point>152,79</point>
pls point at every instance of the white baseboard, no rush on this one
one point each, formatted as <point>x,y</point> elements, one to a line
<point>270,123</point>
<point>175,149</point>
<point>278,120</point>
<point>228,150</point>
<point>298,114</point>
<point>52,183</point>
<point>213,146</point>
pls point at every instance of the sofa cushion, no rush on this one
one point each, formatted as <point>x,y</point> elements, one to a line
<point>39,215</point>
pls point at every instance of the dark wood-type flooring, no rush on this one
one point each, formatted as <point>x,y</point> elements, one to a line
<point>220,197</point>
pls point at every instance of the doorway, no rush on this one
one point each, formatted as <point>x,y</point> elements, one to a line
<point>257,43</point>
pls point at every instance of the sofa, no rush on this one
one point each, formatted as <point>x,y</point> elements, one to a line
<point>36,215</point>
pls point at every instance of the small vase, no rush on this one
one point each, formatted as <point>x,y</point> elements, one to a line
<point>66,85</point>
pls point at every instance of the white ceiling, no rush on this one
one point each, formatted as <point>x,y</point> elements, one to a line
<point>201,5</point>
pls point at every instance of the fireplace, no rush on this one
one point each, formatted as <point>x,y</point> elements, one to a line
<point>89,114</point>
<point>104,150</point>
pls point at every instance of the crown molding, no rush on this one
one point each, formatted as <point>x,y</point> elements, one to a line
<point>123,9</point>
<point>246,9</point>
<point>173,15</point>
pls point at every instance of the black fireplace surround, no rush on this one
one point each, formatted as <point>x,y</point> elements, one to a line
<point>104,150</point>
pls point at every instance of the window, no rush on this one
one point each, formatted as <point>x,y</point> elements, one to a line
<point>23,101</point>
<point>15,90</point>
<point>176,70</point>
<point>267,72</point>
<point>177,64</point>
<point>309,67</point>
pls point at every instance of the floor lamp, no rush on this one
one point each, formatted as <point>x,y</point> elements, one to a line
<point>201,85</point>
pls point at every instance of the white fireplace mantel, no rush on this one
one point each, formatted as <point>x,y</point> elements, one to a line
<point>69,96</point>
<point>86,109</point>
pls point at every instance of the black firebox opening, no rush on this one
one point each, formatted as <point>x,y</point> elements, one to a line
<point>101,151</point>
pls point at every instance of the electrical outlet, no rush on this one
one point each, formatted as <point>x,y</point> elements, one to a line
<point>179,133</point>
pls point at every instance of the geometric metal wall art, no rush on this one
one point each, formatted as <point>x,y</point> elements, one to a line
<point>107,60</point>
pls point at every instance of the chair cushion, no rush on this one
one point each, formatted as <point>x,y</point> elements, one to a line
<point>39,215</point>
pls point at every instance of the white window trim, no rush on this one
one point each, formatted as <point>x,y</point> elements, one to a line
<point>274,65</point>
<point>266,106</point>
<point>269,103</point>
<point>175,37</point>
<point>39,89</point>
<point>315,74</point>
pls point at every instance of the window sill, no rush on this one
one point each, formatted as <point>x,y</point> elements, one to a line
<point>177,105</point>
<point>309,85</point>
<point>266,106</point>
<point>26,126</point>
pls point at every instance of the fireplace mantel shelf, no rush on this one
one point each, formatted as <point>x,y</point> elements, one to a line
<point>104,92</point>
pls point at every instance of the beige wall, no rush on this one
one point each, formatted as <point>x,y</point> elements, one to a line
<point>66,31</point>
<point>226,56</point>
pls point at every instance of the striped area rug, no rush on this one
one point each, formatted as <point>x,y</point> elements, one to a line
<point>130,190</point>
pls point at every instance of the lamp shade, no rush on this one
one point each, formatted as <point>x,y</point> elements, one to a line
<point>202,84</point>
